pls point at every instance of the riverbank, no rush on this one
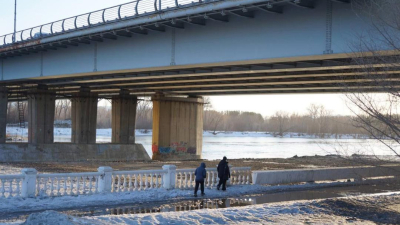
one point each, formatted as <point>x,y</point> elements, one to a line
<point>15,133</point>
<point>255,164</point>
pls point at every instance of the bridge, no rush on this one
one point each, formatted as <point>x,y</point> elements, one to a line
<point>175,51</point>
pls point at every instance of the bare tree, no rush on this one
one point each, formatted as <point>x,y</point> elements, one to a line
<point>144,114</point>
<point>377,58</point>
<point>279,122</point>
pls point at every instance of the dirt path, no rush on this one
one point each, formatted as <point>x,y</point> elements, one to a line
<point>255,164</point>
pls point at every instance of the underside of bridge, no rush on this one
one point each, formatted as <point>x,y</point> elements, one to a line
<point>315,74</point>
<point>176,89</point>
<point>176,93</point>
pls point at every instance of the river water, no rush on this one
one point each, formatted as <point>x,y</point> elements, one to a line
<point>215,147</point>
<point>245,145</point>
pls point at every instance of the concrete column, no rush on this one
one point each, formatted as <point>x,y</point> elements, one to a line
<point>123,121</point>
<point>41,109</point>
<point>177,127</point>
<point>84,117</point>
<point>3,114</point>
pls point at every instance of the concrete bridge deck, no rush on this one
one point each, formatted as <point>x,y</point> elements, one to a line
<point>203,48</point>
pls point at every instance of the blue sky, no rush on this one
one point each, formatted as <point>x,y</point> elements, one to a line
<point>31,13</point>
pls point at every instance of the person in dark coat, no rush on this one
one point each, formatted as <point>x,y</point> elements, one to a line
<point>200,174</point>
<point>223,173</point>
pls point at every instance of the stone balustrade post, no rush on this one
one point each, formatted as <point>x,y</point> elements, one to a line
<point>105,179</point>
<point>29,183</point>
<point>169,178</point>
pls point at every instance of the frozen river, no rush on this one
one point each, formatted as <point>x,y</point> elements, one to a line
<point>244,145</point>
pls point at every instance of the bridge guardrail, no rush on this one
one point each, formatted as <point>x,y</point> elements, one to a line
<point>30,184</point>
<point>96,18</point>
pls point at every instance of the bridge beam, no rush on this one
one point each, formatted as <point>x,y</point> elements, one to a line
<point>84,117</point>
<point>123,121</point>
<point>41,107</point>
<point>3,114</point>
<point>177,127</point>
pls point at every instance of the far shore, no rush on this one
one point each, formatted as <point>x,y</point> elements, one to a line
<point>17,134</point>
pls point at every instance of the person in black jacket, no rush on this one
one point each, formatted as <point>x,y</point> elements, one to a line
<point>223,173</point>
<point>200,174</point>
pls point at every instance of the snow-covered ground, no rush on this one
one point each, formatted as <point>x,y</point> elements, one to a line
<point>8,169</point>
<point>18,204</point>
<point>349,210</point>
<point>17,131</point>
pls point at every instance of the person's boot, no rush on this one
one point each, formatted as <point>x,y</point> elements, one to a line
<point>218,187</point>
<point>202,194</point>
<point>195,195</point>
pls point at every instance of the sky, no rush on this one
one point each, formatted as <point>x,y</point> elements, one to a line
<point>31,13</point>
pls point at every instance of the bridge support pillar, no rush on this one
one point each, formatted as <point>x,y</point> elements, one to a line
<point>84,117</point>
<point>3,114</point>
<point>41,107</point>
<point>177,127</point>
<point>123,121</point>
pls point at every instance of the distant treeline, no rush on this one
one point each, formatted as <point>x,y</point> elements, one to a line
<point>280,123</point>
<point>317,121</point>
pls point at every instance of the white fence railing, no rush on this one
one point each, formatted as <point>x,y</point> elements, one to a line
<point>185,178</point>
<point>125,181</point>
<point>11,185</point>
<point>58,184</point>
<point>31,184</point>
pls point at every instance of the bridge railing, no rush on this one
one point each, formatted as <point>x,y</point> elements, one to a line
<point>185,178</point>
<point>31,184</point>
<point>96,18</point>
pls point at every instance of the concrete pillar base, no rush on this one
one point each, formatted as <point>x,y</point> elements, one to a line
<point>41,108</point>
<point>84,117</point>
<point>123,120</point>
<point>177,128</point>
<point>66,152</point>
<point>3,114</point>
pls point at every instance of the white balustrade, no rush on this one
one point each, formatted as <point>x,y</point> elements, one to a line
<point>67,184</point>
<point>106,180</point>
<point>240,175</point>
<point>125,181</point>
<point>10,185</point>
<point>185,178</point>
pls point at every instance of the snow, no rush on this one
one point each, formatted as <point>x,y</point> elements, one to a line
<point>298,212</point>
<point>52,217</point>
<point>18,204</point>
<point>17,131</point>
<point>326,211</point>
<point>9,170</point>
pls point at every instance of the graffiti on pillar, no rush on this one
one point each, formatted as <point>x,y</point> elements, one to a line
<point>175,148</point>
<point>166,150</point>
<point>154,149</point>
<point>192,150</point>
